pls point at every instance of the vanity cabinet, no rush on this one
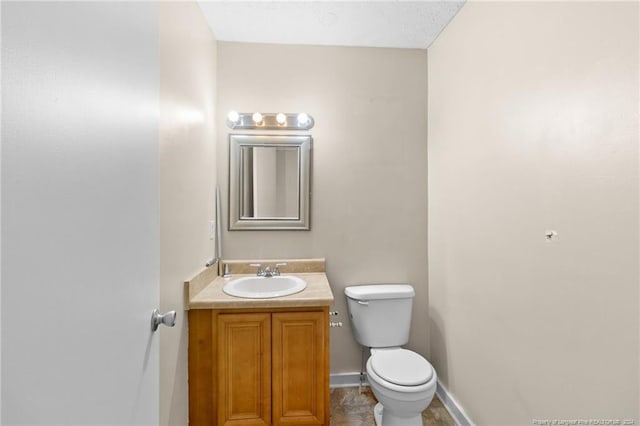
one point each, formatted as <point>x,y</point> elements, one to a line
<point>259,367</point>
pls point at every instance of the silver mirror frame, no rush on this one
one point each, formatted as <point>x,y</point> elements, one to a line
<point>236,142</point>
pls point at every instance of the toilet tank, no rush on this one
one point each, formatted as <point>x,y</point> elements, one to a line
<point>380,313</point>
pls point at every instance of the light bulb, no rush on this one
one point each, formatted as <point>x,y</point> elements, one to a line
<point>281,118</point>
<point>303,118</point>
<point>257,117</point>
<point>233,117</point>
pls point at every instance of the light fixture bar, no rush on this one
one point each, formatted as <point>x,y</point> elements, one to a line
<point>269,121</point>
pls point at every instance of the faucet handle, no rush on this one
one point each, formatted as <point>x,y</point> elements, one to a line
<point>260,268</point>
<point>276,268</point>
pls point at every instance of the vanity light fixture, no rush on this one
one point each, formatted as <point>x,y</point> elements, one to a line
<point>233,117</point>
<point>303,118</point>
<point>257,118</point>
<point>269,121</point>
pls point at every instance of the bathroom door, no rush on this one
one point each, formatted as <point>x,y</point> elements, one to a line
<point>80,213</point>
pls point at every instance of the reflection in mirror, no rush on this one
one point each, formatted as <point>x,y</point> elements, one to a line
<point>269,181</point>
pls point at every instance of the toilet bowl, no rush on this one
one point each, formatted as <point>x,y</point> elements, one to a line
<point>404,384</point>
<point>402,380</point>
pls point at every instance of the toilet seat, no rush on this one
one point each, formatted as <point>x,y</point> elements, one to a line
<point>401,367</point>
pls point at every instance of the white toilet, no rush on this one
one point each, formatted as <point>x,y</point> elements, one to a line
<point>402,381</point>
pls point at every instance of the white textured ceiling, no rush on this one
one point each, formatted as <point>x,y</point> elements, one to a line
<point>400,24</point>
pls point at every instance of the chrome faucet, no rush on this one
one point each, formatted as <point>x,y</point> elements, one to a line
<point>268,272</point>
<point>260,272</point>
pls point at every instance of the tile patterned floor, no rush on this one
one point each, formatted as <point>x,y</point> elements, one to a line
<point>352,407</point>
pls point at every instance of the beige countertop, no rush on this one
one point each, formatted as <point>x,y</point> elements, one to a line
<point>317,293</point>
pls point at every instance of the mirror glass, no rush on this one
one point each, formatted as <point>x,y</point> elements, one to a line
<point>269,181</point>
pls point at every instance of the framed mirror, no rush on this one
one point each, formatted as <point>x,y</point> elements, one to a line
<point>269,182</point>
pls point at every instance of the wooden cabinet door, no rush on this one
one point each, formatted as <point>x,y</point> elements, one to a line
<point>244,369</point>
<point>300,362</point>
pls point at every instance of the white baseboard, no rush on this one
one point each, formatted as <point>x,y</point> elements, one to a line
<point>453,407</point>
<point>346,380</point>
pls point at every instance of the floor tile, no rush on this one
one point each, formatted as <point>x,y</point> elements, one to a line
<point>354,407</point>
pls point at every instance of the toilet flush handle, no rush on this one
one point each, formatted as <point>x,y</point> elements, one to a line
<point>362,302</point>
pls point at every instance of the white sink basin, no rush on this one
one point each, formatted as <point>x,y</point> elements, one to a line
<point>264,287</point>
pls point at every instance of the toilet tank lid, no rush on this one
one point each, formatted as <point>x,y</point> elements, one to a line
<point>379,291</point>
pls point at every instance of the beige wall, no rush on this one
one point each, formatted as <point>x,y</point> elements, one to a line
<point>534,126</point>
<point>369,197</point>
<point>187,180</point>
